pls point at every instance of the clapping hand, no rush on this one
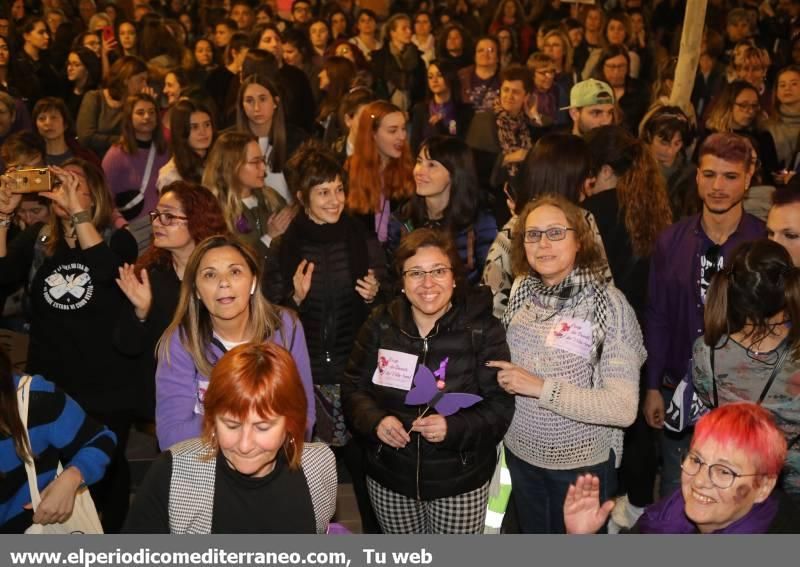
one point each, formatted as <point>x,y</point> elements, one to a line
<point>138,291</point>
<point>368,286</point>
<point>302,281</point>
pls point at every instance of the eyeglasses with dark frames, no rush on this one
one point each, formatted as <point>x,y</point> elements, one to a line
<point>721,476</point>
<point>554,234</point>
<point>165,219</point>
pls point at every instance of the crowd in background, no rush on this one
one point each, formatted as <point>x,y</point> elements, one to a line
<point>263,230</point>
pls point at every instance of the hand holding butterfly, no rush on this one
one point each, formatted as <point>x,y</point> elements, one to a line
<point>432,427</point>
<point>516,380</point>
<point>391,431</point>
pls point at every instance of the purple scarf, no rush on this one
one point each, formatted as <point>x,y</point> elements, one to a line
<point>668,517</point>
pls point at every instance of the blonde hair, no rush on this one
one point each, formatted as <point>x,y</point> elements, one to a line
<point>101,208</point>
<point>192,319</point>
<point>221,175</point>
<point>566,47</point>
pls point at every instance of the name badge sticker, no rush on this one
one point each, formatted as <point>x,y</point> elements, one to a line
<point>571,335</point>
<point>395,369</point>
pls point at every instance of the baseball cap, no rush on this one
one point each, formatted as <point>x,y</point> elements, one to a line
<point>590,92</point>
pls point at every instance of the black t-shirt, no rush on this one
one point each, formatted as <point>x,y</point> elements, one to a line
<point>279,503</point>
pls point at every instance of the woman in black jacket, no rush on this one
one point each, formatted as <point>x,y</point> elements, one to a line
<point>326,266</point>
<point>186,214</point>
<point>398,66</point>
<point>428,473</point>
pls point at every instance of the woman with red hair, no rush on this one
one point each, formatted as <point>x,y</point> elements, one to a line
<point>185,215</point>
<point>728,483</point>
<point>380,171</point>
<point>250,457</point>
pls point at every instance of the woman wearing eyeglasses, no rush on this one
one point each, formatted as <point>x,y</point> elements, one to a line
<point>749,351</point>
<point>728,481</point>
<point>185,215</point>
<point>235,172</point>
<point>576,350</point>
<point>427,473</point>
<point>738,110</point>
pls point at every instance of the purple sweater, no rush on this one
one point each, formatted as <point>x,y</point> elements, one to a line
<point>180,386</point>
<point>124,172</point>
<point>674,315</point>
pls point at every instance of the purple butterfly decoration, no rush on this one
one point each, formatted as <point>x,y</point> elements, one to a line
<point>425,391</point>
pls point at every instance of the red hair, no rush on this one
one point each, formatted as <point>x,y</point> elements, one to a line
<point>364,166</point>
<point>260,377</point>
<point>204,214</point>
<point>747,427</point>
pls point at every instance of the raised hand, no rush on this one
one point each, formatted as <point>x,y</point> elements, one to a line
<point>136,289</point>
<point>367,287</point>
<point>280,221</point>
<point>302,281</point>
<point>583,513</point>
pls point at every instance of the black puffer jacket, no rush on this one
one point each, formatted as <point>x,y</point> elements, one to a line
<point>333,311</point>
<point>465,460</point>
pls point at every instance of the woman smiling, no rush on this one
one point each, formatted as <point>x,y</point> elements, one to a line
<point>576,350</point>
<point>250,457</point>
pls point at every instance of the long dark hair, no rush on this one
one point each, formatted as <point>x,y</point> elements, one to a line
<point>760,282</point>
<point>450,76</point>
<point>641,190</point>
<point>188,163</point>
<point>558,164</point>
<point>277,133</point>
<point>10,422</point>
<point>454,154</point>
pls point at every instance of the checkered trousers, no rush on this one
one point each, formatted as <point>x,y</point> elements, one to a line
<point>399,514</point>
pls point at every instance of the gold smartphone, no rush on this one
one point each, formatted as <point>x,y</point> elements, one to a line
<point>32,180</point>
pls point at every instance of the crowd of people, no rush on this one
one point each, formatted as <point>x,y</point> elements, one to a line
<point>436,246</point>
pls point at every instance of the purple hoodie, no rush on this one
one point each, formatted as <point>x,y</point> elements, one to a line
<point>180,387</point>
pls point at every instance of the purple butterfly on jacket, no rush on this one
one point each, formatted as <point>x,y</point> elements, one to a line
<point>425,391</point>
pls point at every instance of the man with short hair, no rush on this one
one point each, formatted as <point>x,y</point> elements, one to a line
<point>591,105</point>
<point>686,257</point>
<point>301,13</point>
<point>242,14</point>
<point>223,31</point>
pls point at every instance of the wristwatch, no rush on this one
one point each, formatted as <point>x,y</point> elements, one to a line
<point>81,217</point>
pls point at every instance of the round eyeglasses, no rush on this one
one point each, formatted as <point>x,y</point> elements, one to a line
<point>721,476</point>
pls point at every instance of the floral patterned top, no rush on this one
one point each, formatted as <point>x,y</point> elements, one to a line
<point>741,376</point>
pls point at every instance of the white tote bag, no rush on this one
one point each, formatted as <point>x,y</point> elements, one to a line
<point>84,518</point>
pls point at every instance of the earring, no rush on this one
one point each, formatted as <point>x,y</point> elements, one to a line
<point>403,290</point>
<point>253,288</point>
